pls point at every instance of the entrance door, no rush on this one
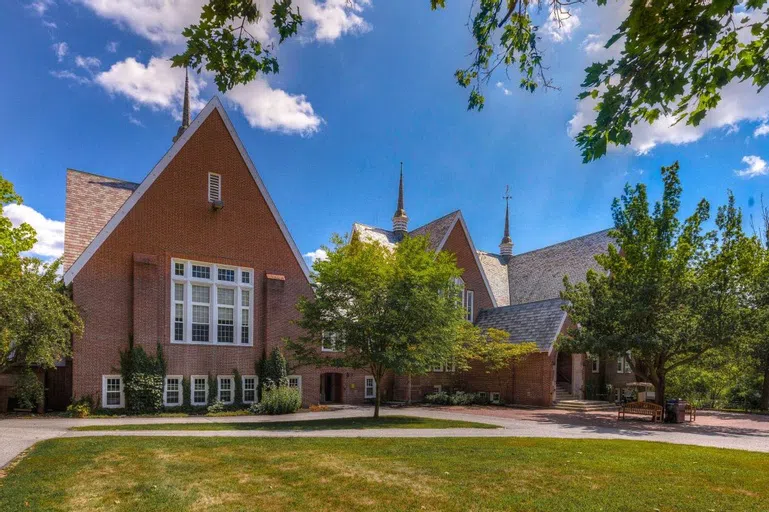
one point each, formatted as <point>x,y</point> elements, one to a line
<point>331,387</point>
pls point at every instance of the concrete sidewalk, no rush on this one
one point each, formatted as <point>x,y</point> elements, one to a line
<point>16,435</point>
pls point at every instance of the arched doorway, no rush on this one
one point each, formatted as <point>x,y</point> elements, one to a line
<point>331,388</point>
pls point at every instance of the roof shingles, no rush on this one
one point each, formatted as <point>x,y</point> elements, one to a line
<point>538,322</point>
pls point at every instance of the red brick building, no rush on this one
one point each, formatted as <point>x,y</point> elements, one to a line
<point>196,258</point>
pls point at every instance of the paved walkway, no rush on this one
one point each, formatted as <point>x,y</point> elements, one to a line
<point>721,430</point>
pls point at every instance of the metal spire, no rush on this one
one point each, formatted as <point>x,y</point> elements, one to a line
<point>186,106</point>
<point>400,219</point>
<point>506,245</point>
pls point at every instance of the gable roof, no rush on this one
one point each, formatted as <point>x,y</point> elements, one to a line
<point>496,272</point>
<point>538,275</point>
<point>214,105</point>
<point>438,232</point>
<point>91,202</point>
<point>538,322</point>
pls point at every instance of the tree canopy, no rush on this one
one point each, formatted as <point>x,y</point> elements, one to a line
<point>668,292</point>
<point>673,58</point>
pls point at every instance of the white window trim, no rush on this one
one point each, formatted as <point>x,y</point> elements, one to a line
<point>628,369</point>
<point>437,388</point>
<point>365,386</point>
<point>470,304</point>
<point>298,381</point>
<point>620,364</point>
<point>438,368</point>
<point>335,343</point>
<point>483,395</point>
<point>595,364</point>
<point>219,380</point>
<point>104,392</point>
<point>213,306</point>
<point>192,389</point>
<point>181,390</point>
<point>492,399</point>
<point>243,388</point>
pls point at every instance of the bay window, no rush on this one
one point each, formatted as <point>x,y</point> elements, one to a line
<point>211,304</point>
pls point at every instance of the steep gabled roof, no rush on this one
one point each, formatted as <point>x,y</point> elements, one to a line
<point>538,275</point>
<point>438,231</point>
<point>538,322</point>
<point>91,202</point>
<point>214,105</point>
<point>496,272</point>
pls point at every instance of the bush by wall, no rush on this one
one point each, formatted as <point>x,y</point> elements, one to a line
<point>143,377</point>
<point>272,371</point>
<point>28,390</point>
<point>278,400</point>
<point>457,398</point>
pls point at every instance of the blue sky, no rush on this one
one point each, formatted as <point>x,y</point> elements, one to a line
<point>366,86</point>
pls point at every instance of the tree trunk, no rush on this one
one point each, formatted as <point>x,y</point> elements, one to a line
<point>376,402</point>
<point>765,388</point>
<point>660,391</point>
<point>408,398</point>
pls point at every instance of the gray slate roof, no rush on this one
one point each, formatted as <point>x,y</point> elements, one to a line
<point>538,275</point>
<point>496,272</point>
<point>436,230</point>
<point>539,322</point>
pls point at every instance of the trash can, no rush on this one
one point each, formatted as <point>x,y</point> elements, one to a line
<point>675,411</point>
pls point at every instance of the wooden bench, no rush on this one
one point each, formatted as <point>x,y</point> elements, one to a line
<point>641,408</point>
<point>691,411</point>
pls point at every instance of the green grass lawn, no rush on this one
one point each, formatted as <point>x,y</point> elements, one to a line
<point>323,474</point>
<point>326,424</point>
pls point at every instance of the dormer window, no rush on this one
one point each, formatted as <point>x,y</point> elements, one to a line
<point>214,188</point>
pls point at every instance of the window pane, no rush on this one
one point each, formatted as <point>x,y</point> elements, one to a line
<point>201,294</point>
<point>178,291</point>
<point>200,314</point>
<point>245,277</point>
<point>200,328</point>
<point>245,299</point>
<point>244,327</point>
<point>179,269</point>
<point>225,296</point>
<point>226,274</point>
<point>201,271</point>
<point>179,322</point>
<point>226,327</point>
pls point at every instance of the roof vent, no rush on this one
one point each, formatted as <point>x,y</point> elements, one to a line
<point>215,190</point>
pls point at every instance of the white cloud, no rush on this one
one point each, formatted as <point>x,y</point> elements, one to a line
<point>763,129</point>
<point>156,85</point>
<point>275,109</point>
<point>49,24</point>
<point>40,6</point>
<point>133,120</point>
<point>111,47</point>
<point>50,233</point>
<point>162,21</point>
<point>87,63</point>
<point>60,49</point>
<point>561,24</point>
<point>317,254</point>
<point>505,90</point>
<point>69,75</point>
<point>757,166</point>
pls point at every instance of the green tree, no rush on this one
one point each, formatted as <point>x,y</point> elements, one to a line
<point>670,295</point>
<point>392,310</point>
<point>37,317</point>
<point>674,58</point>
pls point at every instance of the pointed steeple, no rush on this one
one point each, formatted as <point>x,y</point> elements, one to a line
<point>506,245</point>
<point>400,219</point>
<point>186,107</point>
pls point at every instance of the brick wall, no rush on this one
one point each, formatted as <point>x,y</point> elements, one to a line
<point>125,288</point>
<point>458,244</point>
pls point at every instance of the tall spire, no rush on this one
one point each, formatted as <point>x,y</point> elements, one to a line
<point>506,245</point>
<point>400,219</point>
<point>186,106</point>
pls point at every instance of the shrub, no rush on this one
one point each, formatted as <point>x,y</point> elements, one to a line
<point>213,389</point>
<point>216,407</point>
<point>29,390</point>
<point>439,398</point>
<point>80,408</point>
<point>278,400</point>
<point>273,370</point>
<point>457,398</point>
<point>143,377</point>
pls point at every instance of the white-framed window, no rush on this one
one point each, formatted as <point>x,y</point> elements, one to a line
<point>628,369</point>
<point>495,397</point>
<point>211,303</point>
<point>249,388</point>
<point>172,391</point>
<point>369,387</point>
<point>332,342</point>
<point>617,394</point>
<point>112,396</point>
<point>226,388</point>
<point>198,390</point>
<point>595,364</point>
<point>620,364</point>
<point>437,388</point>
<point>460,284</point>
<point>451,366</point>
<point>295,381</point>
<point>469,304</point>
<point>483,395</point>
<point>438,368</point>
<point>214,187</point>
